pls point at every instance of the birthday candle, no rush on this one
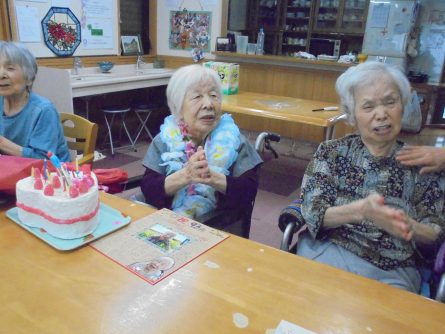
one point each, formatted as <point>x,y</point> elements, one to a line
<point>54,159</point>
<point>56,162</point>
<point>77,165</point>
<point>45,176</point>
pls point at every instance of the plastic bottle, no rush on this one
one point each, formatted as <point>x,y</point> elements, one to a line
<point>260,42</point>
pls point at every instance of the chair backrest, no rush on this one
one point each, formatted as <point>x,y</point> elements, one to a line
<point>81,135</point>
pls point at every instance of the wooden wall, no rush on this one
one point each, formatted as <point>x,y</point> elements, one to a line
<point>286,81</point>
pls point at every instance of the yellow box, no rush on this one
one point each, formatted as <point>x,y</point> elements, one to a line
<point>229,74</point>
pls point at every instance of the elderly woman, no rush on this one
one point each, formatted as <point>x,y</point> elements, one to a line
<point>199,161</point>
<point>29,123</point>
<point>365,212</point>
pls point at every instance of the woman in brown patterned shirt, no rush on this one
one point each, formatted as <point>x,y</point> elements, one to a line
<point>366,213</point>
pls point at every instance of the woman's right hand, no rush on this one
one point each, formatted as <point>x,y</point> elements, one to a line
<point>197,167</point>
<point>393,221</point>
<point>196,170</point>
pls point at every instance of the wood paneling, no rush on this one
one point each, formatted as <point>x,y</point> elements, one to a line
<point>285,81</point>
<point>5,31</point>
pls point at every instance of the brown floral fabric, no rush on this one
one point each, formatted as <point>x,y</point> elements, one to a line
<point>343,171</point>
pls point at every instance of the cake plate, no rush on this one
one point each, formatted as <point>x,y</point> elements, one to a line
<point>110,220</point>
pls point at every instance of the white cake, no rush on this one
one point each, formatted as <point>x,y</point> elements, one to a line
<point>63,212</point>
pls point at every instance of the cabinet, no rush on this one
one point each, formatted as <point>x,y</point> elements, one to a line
<point>266,14</point>
<point>297,26</point>
<point>340,16</point>
<point>290,24</point>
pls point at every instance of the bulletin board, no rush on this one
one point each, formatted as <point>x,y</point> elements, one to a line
<point>62,28</point>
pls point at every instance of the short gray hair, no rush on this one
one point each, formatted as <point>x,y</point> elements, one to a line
<point>364,73</point>
<point>18,54</point>
<point>182,80</point>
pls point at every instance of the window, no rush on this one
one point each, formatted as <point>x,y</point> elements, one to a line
<point>134,21</point>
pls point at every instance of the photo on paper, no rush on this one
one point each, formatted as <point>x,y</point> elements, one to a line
<point>163,238</point>
<point>153,270</point>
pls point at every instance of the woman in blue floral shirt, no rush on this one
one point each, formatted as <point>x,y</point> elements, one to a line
<point>366,213</point>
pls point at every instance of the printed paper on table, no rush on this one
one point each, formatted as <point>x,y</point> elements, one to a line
<point>157,245</point>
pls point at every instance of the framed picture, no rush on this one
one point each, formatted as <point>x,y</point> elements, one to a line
<point>222,44</point>
<point>131,45</point>
<point>61,30</point>
<point>190,30</point>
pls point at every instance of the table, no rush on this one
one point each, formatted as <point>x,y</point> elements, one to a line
<point>248,107</point>
<point>46,291</point>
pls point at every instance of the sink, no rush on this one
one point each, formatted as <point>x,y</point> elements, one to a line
<point>90,77</point>
<point>154,71</point>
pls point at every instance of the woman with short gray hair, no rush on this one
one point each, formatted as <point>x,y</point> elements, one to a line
<point>355,75</point>
<point>29,123</point>
<point>365,212</point>
<point>199,161</point>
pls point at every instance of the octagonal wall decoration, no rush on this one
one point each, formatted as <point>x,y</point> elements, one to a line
<point>61,31</point>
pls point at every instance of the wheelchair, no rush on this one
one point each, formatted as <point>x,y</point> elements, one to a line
<point>233,221</point>
<point>291,223</point>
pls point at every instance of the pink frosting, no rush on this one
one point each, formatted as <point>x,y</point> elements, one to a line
<point>57,220</point>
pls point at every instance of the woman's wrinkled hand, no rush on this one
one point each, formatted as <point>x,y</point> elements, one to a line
<point>393,221</point>
<point>430,158</point>
<point>197,167</point>
<point>198,171</point>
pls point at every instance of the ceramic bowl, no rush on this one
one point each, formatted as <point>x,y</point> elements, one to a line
<point>105,66</point>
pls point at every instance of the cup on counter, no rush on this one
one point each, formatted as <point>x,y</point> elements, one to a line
<point>251,48</point>
<point>241,44</point>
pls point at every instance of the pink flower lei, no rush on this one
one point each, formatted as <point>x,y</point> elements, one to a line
<point>190,147</point>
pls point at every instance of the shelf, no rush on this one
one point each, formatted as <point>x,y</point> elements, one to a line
<point>293,45</point>
<point>295,32</point>
<point>298,18</point>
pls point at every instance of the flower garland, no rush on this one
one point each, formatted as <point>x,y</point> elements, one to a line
<point>221,149</point>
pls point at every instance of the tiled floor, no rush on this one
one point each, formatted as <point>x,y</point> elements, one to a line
<point>272,197</point>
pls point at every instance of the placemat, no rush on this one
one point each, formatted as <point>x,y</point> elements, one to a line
<point>157,245</point>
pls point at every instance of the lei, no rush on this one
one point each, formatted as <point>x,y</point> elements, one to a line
<point>221,150</point>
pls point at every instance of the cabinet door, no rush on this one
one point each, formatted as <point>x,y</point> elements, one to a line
<point>326,16</point>
<point>353,18</point>
<point>268,15</point>
<point>297,15</point>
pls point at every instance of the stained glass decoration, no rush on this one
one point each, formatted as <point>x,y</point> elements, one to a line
<point>61,30</point>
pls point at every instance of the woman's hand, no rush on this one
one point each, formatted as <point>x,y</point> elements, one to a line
<point>432,159</point>
<point>10,148</point>
<point>195,171</point>
<point>373,208</point>
<point>197,167</point>
<point>393,221</point>
<point>199,172</point>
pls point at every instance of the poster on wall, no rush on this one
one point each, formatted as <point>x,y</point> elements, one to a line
<point>96,23</point>
<point>190,30</point>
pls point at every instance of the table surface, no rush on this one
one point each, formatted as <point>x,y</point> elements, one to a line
<point>43,290</point>
<point>281,108</point>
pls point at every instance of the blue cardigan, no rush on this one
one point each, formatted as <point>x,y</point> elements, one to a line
<point>36,128</point>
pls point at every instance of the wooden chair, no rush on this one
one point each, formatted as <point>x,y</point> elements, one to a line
<point>81,135</point>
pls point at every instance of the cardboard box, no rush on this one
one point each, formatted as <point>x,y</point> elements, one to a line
<point>229,74</point>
